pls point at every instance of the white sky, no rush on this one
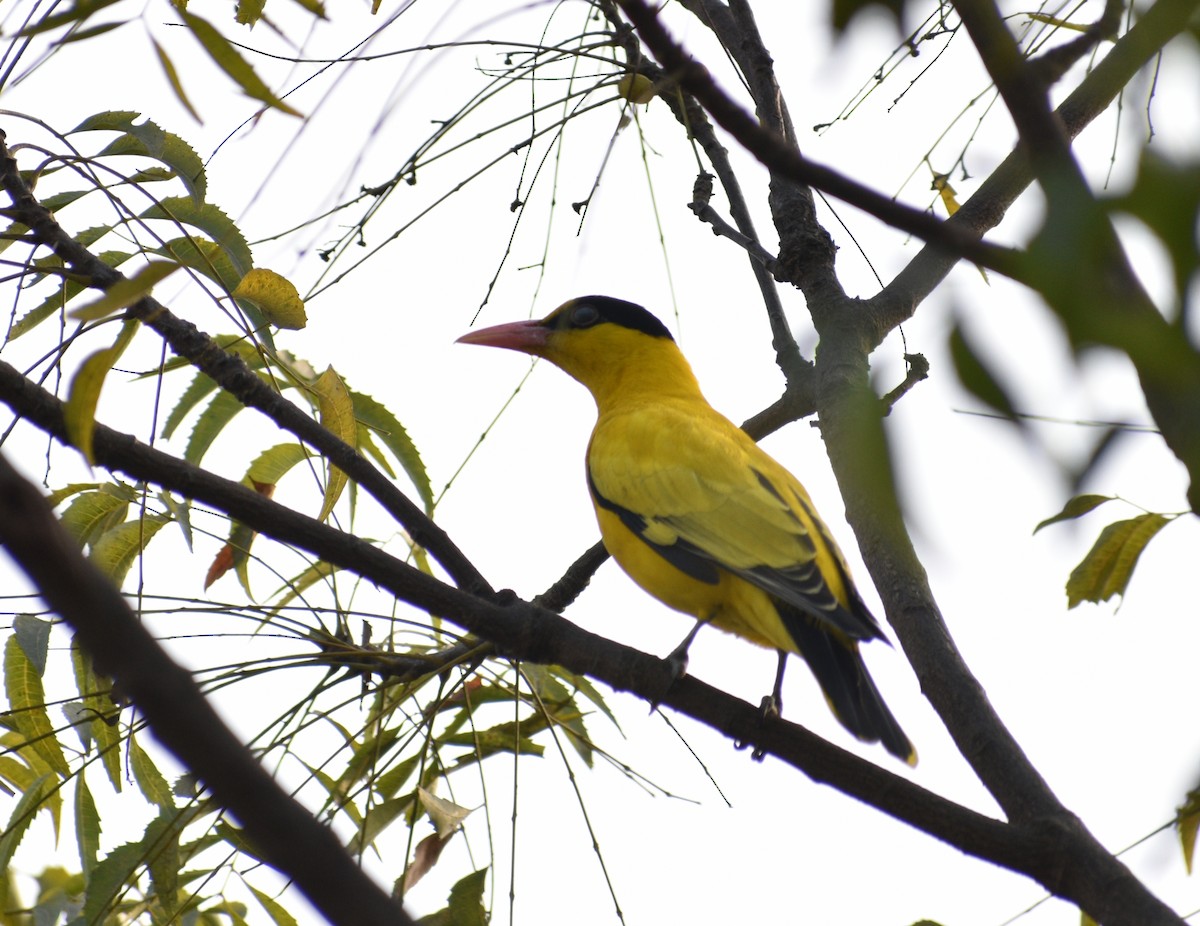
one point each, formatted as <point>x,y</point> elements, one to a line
<point>1102,699</point>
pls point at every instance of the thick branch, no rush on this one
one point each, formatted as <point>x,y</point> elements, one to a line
<point>180,716</point>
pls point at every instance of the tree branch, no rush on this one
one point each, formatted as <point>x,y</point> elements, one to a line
<point>232,374</point>
<point>180,716</point>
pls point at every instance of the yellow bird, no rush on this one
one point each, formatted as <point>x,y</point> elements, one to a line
<point>699,515</point>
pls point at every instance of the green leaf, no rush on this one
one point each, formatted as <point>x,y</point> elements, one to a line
<point>27,704</point>
<point>96,692</point>
<point>381,421</point>
<point>75,14</point>
<point>79,411</point>
<point>22,816</point>
<point>220,411</point>
<point>125,292</point>
<point>92,514</point>
<point>273,464</point>
<point>466,900</point>
<point>87,824</point>
<point>232,63</point>
<point>57,496</point>
<point>296,586</point>
<point>1077,507</point>
<point>108,880</point>
<point>117,550</point>
<point>977,378</point>
<point>57,301</point>
<point>149,140</point>
<point>1109,565</point>
<point>275,296</point>
<point>212,221</point>
<point>172,75</point>
<point>160,845</point>
<point>205,257</point>
<point>150,780</point>
<point>33,635</point>
<point>274,909</point>
<point>337,415</point>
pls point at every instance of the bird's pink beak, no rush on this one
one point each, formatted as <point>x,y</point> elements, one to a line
<point>529,337</point>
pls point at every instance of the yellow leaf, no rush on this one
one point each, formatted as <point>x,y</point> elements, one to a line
<point>637,88</point>
<point>27,699</point>
<point>275,296</point>
<point>337,415</point>
<point>1109,564</point>
<point>941,183</point>
<point>126,292</point>
<point>1187,823</point>
<point>79,411</point>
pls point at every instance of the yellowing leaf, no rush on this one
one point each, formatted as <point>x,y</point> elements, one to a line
<point>117,550</point>
<point>447,816</point>
<point>941,183</point>
<point>27,702</point>
<point>1109,564</point>
<point>337,415</point>
<point>279,915</point>
<point>637,88</point>
<point>275,296</point>
<point>126,292</point>
<point>172,75</point>
<point>228,60</point>
<point>83,395</point>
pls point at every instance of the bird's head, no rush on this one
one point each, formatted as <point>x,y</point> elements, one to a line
<point>605,343</point>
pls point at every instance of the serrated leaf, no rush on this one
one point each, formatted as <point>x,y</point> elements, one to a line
<point>220,411</point>
<point>147,139</point>
<point>87,824</point>
<point>57,496</point>
<point>27,704</point>
<point>150,780</point>
<point>250,11</point>
<point>33,635</point>
<point>466,900</point>
<point>336,410</point>
<point>274,463</point>
<point>79,411</point>
<point>92,514</point>
<point>212,221</point>
<point>205,257</point>
<point>180,512</point>
<point>108,880</point>
<point>22,815</point>
<point>274,908</point>
<point>1109,565</point>
<point>276,297</point>
<point>172,75</point>
<point>977,378</point>
<point>232,63</point>
<point>1077,507</point>
<point>125,292</point>
<point>383,423</point>
<point>117,550</point>
<point>96,694</point>
<point>160,845</point>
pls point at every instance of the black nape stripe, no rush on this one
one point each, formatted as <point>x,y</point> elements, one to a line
<point>618,312</point>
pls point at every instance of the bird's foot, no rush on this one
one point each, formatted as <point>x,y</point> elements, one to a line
<point>768,709</point>
<point>677,662</point>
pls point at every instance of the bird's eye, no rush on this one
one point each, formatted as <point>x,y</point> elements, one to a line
<point>584,316</point>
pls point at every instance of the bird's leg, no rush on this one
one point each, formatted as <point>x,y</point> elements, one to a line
<point>772,704</point>
<point>677,659</point>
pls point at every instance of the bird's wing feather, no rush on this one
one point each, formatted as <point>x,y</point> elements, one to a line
<point>695,488</point>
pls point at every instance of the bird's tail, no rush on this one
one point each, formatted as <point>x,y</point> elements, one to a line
<point>843,677</point>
